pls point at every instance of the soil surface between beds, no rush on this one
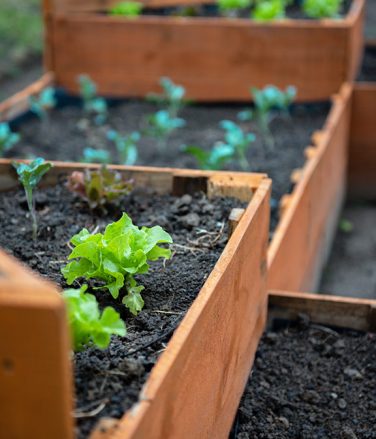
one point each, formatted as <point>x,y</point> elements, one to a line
<point>61,138</point>
<point>350,270</point>
<point>310,382</point>
<point>114,377</point>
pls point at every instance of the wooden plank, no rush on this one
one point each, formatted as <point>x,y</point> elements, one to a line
<point>19,102</point>
<point>35,370</point>
<point>215,59</point>
<point>362,154</point>
<point>344,312</point>
<point>304,234</point>
<point>180,400</point>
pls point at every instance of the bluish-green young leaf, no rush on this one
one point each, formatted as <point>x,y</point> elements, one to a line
<point>44,102</point>
<point>113,257</point>
<point>126,146</point>
<point>92,104</point>
<point>87,325</point>
<point>31,174</point>
<point>7,138</point>
<point>92,155</point>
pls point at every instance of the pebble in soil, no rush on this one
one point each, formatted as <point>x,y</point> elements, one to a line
<point>198,226</point>
<point>310,382</point>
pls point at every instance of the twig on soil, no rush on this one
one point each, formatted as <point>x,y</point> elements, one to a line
<point>79,413</point>
<point>158,311</point>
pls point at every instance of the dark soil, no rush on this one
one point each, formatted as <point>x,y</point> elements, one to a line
<point>310,382</point>
<point>351,268</point>
<point>370,24</point>
<point>368,69</point>
<point>294,11</point>
<point>116,375</point>
<point>62,139</point>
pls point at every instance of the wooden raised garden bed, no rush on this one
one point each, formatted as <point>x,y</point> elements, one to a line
<point>201,373</point>
<point>309,214</point>
<point>217,59</point>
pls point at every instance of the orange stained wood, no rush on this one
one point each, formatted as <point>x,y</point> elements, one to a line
<point>362,155</point>
<point>305,231</point>
<point>345,312</point>
<point>195,387</point>
<point>35,372</point>
<point>216,59</point>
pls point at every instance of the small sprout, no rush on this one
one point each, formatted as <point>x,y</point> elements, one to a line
<point>7,138</point>
<point>93,105</point>
<point>127,9</point>
<point>126,146</point>
<point>91,155</point>
<point>43,103</point>
<point>213,160</point>
<point>322,8</point>
<point>231,8</point>
<point>116,256</point>
<point>267,101</point>
<point>161,125</point>
<point>267,10</point>
<point>88,326</point>
<point>30,175</point>
<point>99,187</point>
<point>238,140</point>
<point>346,226</point>
<point>172,96</point>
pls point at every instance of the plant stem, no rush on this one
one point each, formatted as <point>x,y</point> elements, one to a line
<point>31,206</point>
<point>243,160</point>
<point>263,122</point>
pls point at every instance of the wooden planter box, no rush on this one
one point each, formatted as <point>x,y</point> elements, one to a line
<point>195,387</point>
<point>303,237</point>
<point>362,155</point>
<point>217,59</point>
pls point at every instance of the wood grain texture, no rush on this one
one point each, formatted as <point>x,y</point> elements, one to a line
<point>304,234</point>
<point>344,312</point>
<point>195,387</point>
<point>19,102</point>
<point>35,371</point>
<point>215,59</point>
<point>362,154</point>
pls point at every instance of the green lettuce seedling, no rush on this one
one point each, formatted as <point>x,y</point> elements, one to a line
<point>126,146</point>
<point>88,326</point>
<point>7,138</point>
<point>238,140</point>
<point>93,105</point>
<point>99,187</point>
<point>161,125</point>
<point>267,10</point>
<point>266,102</point>
<point>231,8</point>
<point>322,8</point>
<point>172,97</point>
<point>213,160</point>
<point>91,155</point>
<point>116,256</point>
<point>127,9</point>
<point>30,175</point>
<point>43,103</point>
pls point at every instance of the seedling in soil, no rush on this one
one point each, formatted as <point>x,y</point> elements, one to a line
<point>267,10</point>
<point>172,97</point>
<point>30,175</point>
<point>322,8</point>
<point>238,140</point>
<point>127,9</point>
<point>346,226</point>
<point>7,138</point>
<point>87,325</point>
<point>268,101</point>
<point>99,187</point>
<point>43,103</point>
<point>116,256</point>
<point>232,8</point>
<point>93,105</point>
<point>213,160</point>
<point>91,155</point>
<point>126,146</point>
<point>161,125</point>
